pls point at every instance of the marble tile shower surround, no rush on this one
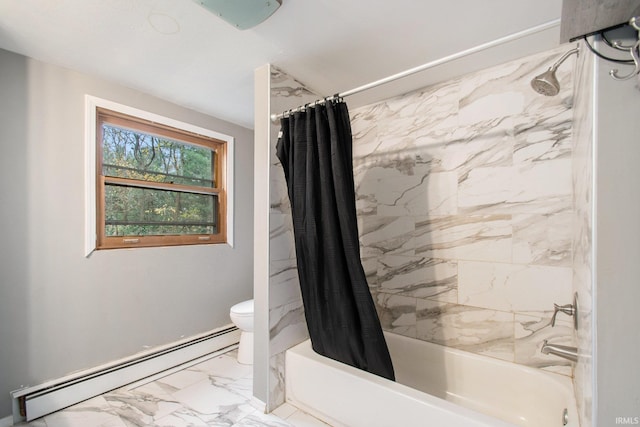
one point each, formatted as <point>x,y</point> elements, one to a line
<point>465,204</point>
<point>287,324</point>
<point>583,229</point>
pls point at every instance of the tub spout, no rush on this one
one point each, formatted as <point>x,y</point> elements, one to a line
<point>566,352</point>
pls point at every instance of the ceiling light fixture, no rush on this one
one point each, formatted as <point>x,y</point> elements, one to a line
<point>242,14</point>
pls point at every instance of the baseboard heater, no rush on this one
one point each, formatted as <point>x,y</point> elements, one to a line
<point>34,402</point>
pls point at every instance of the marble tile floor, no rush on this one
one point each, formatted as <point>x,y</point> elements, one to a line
<point>216,392</point>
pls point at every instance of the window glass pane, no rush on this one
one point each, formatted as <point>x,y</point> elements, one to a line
<point>132,211</point>
<point>136,155</point>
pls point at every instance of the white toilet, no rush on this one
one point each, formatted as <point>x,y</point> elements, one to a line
<point>242,316</point>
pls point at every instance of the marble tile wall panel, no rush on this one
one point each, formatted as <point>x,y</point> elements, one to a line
<point>485,144</point>
<point>281,238</point>
<point>532,328</point>
<point>465,203</point>
<point>465,237</point>
<point>418,277</point>
<point>543,239</point>
<point>497,92</point>
<point>434,108</point>
<point>482,331</point>
<point>582,151</point>
<point>513,287</point>
<point>539,139</point>
<point>284,285</point>
<point>278,190</point>
<point>387,235</point>
<point>397,313</point>
<point>505,90</point>
<point>370,266</point>
<point>543,187</point>
<point>277,378</point>
<point>287,325</point>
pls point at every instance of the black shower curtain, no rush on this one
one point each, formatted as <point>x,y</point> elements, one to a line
<point>315,149</point>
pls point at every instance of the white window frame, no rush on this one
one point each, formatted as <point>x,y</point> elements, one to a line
<point>91,104</point>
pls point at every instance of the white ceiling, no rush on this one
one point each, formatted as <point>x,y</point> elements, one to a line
<point>179,51</point>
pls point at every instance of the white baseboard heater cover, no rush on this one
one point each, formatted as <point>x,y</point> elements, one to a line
<point>34,402</point>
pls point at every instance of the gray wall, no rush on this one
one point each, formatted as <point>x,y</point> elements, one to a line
<point>59,311</point>
<point>617,247</point>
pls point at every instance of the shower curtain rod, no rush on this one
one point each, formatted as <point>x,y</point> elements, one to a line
<point>423,67</point>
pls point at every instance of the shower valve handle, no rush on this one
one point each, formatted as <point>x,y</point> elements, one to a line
<point>566,309</point>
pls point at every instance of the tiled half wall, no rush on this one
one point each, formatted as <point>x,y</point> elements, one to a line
<point>287,325</point>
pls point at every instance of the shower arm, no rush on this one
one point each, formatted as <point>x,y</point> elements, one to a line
<point>563,58</point>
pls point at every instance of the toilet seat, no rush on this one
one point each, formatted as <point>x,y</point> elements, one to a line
<point>242,309</point>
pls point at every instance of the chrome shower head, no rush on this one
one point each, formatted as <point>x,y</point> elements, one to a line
<point>547,83</point>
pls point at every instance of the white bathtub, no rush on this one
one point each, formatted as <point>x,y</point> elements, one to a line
<point>436,386</point>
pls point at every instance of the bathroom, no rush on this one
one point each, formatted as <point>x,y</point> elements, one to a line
<point>48,322</point>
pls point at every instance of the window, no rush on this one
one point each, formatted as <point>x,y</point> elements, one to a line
<point>157,185</point>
